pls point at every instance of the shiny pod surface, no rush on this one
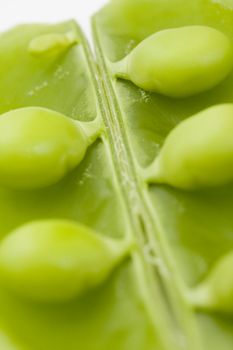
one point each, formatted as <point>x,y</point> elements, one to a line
<point>192,228</point>
<point>115,313</point>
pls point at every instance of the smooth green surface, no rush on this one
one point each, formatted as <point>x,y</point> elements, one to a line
<point>145,302</point>
<point>52,44</point>
<point>215,293</point>
<point>166,63</point>
<point>195,227</point>
<point>38,147</point>
<point>198,152</point>
<point>113,316</point>
<point>57,260</point>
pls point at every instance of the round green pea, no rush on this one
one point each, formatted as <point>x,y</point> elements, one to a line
<point>179,62</point>
<point>216,291</point>
<point>52,44</point>
<point>198,152</point>
<point>56,260</point>
<point>38,147</point>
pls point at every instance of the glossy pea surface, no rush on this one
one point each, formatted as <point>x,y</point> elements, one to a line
<point>52,44</point>
<point>199,151</point>
<point>38,147</point>
<point>56,260</point>
<point>215,293</point>
<point>181,62</point>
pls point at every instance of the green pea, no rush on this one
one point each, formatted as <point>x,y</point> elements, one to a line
<point>216,291</point>
<point>57,260</point>
<point>52,44</point>
<point>198,152</point>
<point>179,62</point>
<point>38,147</point>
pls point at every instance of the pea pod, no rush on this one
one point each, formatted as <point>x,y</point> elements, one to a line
<point>186,219</point>
<point>58,184</point>
<point>166,294</point>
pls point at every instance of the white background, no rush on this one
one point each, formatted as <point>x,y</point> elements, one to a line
<point>14,12</point>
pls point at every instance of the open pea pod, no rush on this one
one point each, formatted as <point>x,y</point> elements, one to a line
<point>71,276</point>
<point>167,68</point>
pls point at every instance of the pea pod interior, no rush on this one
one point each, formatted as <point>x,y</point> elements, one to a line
<point>179,236</point>
<point>192,228</point>
<point>115,315</point>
